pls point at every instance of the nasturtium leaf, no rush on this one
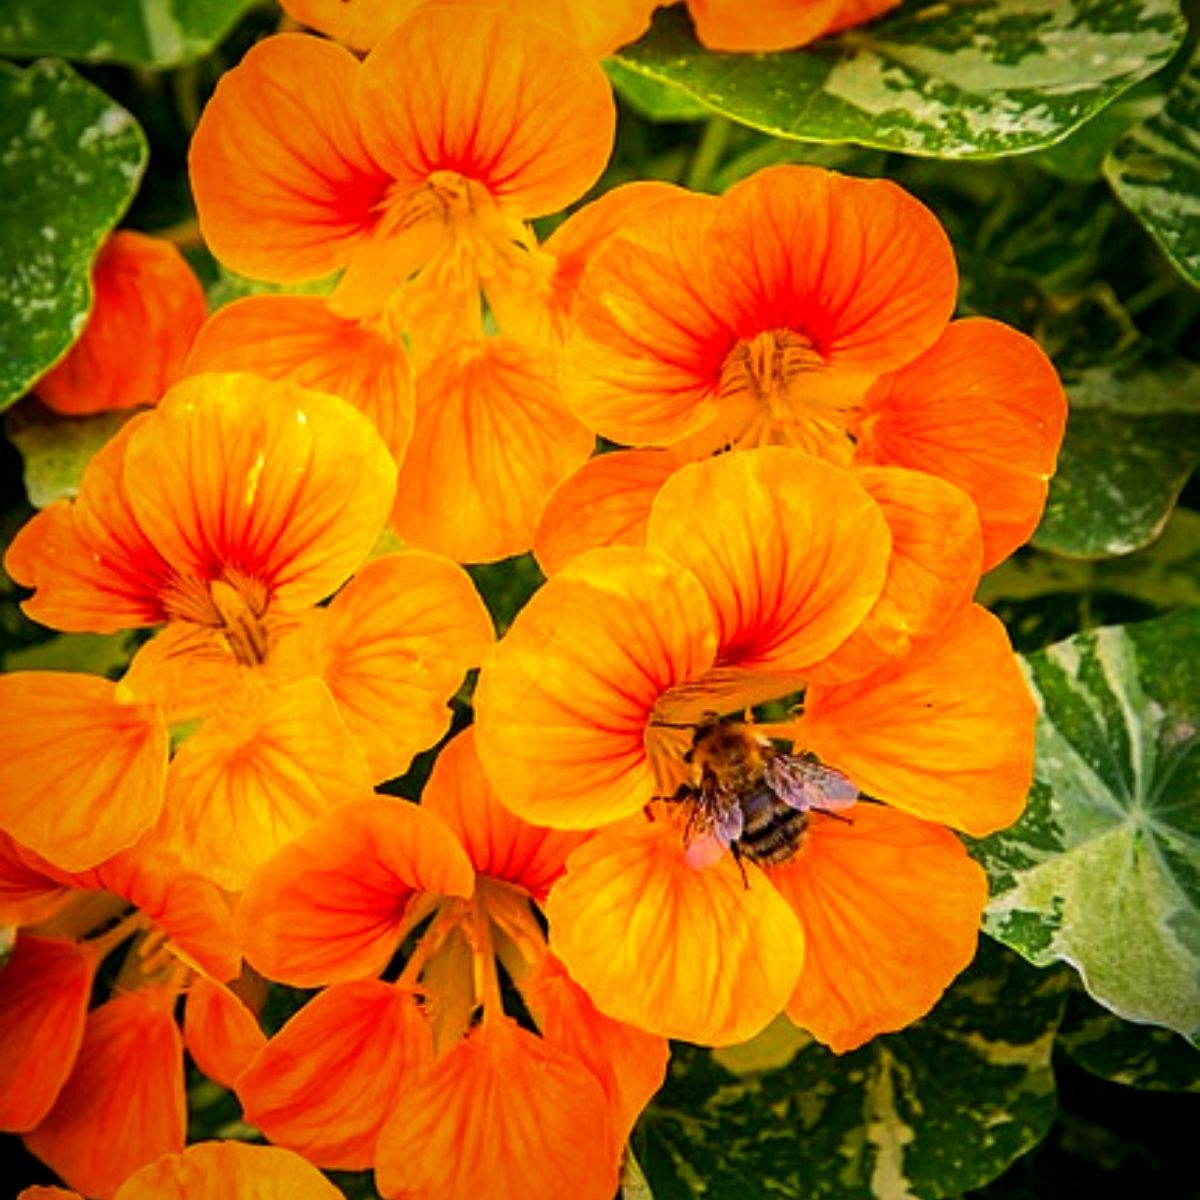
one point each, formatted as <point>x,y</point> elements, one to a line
<point>935,1110</point>
<point>1141,1056</point>
<point>1101,871</point>
<point>654,99</point>
<point>506,585</point>
<point>945,78</point>
<point>1132,440</point>
<point>634,1185</point>
<point>70,161</point>
<point>106,654</point>
<point>57,449</point>
<point>140,33</point>
<point>1155,172</point>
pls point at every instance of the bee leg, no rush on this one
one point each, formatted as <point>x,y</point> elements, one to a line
<point>833,816</point>
<point>737,858</point>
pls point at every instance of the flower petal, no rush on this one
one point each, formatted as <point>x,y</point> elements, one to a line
<point>221,1033</point>
<point>124,1104</point>
<point>393,647</point>
<point>498,843</point>
<point>792,551</point>
<point>492,439</point>
<point>284,185</point>
<point>252,779</point>
<point>604,503</point>
<point>703,955</point>
<point>945,734</point>
<point>502,1115</point>
<point>332,905</point>
<point>766,25</point>
<point>891,908</point>
<point>27,896</point>
<point>68,749</point>
<point>563,705</point>
<point>984,409</point>
<point>327,1081</point>
<point>43,1006</point>
<point>244,475</point>
<point>300,338</point>
<point>510,104</point>
<point>145,294</point>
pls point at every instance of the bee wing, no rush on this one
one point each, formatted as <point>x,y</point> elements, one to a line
<point>802,783</point>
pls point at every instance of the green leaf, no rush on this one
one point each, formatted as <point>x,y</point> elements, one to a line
<point>1132,441</point>
<point>1102,869</point>
<point>654,99</point>
<point>56,449</point>
<point>70,162</point>
<point>1155,172</point>
<point>1141,1056</point>
<point>944,78</point>
<point>140,33</point>
<point>634,1185</point>
<point>506,585</point>
<point>940,1108</point>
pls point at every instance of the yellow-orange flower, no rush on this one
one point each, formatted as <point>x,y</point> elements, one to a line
<point>429,1078</point>
<point>760,25</point>
<point>758,569</point>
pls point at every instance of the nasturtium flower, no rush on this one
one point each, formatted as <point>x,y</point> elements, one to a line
<point>217,1171</point>
<point>144,295</point>
<point>763,25</point>
<point>98,1091</point>
<point>809,309</point>
<point>758,569</point>
<point>227,513</point>
<point>427,159</point>
<point>424,1073</point>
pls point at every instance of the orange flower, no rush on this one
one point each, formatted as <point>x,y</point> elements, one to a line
<point>144,296</point>
<point>228,512</point>
<point>218,1171</point>
<point>97,1094</point>
<point>761,25</point>
<point>809,309</point>
<point>758,569</point>
<point>428,158</point>
<point>429,1078</point>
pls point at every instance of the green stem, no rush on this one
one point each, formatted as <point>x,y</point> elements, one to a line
<point>708,153</point>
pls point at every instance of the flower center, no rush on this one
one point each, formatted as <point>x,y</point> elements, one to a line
<point>790,395</point>
<point>235,606</point>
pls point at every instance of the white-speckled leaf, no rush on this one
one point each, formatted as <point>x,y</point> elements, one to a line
<point>1155,172</point>
<point>1103,870</point>
<point>70,162</point>
<point>934,1111</point>
<point>141,33</point>
<point>947,78</point>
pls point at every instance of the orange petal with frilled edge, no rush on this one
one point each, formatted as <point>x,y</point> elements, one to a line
<point>891,908</point>
<point>44,993</point>
<point>498,842</point>
<point>984,409</point>
<point>229,1171</point>
<point>48,1193</point>
<point>492,439</point>
<point>284,185</point>
<point>605,503</point>
<point>255,777</point>
<point>301,339</point>
<point>643,364</point>
<point>564,702</point>
<point>327,1081</point>
<point>260,480</point>
<point>358,24</point>
<point>81,774</point>
<point>124,1104</point>
<point>332,905</point>
<point>507,103</point>
<point>933,572</point>
<point>27,895</point>
<point>698,954</point>
<point>630,1064</point>
<point>144,294</point>
<point>504,1115</point>
<point>792,551</point>
<point>393,647</point>
<point>221,1033</point>
<point>945,734</point>
<point>765,25</point>
<point>93,567</point>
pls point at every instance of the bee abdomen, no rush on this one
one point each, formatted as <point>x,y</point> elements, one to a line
<point>771,831</point>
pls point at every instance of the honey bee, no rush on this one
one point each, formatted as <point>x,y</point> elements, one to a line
<point>752,798</point>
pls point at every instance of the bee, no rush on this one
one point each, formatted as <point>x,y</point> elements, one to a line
<point>752,798</point>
